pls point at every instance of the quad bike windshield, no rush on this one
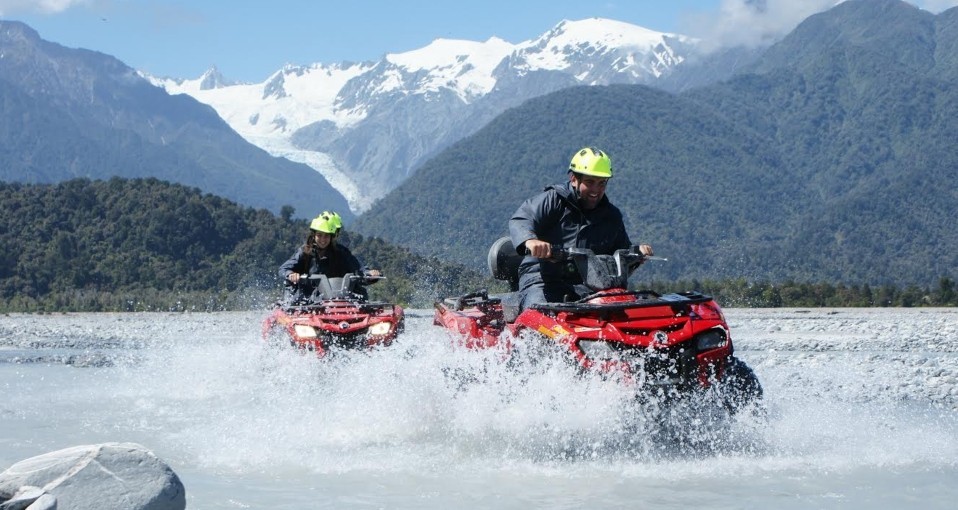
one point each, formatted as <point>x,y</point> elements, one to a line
<point>602,272</point>
<point>598,272</point>
<point>323,288</point>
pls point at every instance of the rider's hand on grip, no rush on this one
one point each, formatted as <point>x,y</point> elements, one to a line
<point>544,250</point>
<point>538,249</point>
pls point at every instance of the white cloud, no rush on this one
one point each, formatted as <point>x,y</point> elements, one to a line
<point>8,7</point>
<point>755,22</point>
<point>936,6</point>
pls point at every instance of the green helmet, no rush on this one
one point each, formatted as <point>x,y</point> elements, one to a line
<point>328,222</point>
<point>591,161</point>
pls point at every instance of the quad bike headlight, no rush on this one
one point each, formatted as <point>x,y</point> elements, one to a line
<point>594,349</point>
<point>304,331</point>
<point>380,328</point>
<point>711,339</point>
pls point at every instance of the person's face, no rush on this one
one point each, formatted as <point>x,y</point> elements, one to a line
<point>591,189</point>
<point>322,239</point>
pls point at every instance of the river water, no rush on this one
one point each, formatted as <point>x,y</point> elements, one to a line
<point>862,412</point>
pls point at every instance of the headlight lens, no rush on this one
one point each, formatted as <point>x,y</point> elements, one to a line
<point>380,328</point>
<point>304,331</point>
<point>594,349</point>
<point>711,339</point>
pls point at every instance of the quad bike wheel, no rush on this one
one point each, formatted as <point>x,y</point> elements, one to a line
<point>740,386</point>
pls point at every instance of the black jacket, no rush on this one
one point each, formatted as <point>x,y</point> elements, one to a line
<point>334,264</point>
<point>554,216</point>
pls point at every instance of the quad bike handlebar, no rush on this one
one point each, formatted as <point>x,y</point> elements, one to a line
<point>560,253</point>
<point>599,272</point>
<point>363,279</point>
<point>602,272</point>
<point>348,286</point>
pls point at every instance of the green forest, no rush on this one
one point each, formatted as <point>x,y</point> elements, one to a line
<point>145,244</point>
<point>831,159</point>
<point>148,245</point>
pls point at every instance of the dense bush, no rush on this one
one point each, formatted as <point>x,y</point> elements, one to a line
<point>143,244</point>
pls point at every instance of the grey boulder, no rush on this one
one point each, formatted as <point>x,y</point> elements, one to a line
<point>104,476</point>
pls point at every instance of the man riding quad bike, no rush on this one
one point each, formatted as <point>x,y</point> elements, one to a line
<point>671,345</point>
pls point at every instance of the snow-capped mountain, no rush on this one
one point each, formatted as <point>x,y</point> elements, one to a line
<point>69,113</point>
<point>598,51</point>
<point>366,126</point>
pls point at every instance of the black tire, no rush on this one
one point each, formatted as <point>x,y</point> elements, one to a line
<point>740,385</point>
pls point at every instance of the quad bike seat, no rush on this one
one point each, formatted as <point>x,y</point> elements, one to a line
<point>503,262</point>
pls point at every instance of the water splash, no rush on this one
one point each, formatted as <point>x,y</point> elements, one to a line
<point>211,395</point>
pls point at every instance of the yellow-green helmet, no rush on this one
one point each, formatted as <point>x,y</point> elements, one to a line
<point>591,161</point>
<point>328,222</point>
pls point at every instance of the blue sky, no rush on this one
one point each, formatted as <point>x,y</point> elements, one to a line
<point>249,40</point>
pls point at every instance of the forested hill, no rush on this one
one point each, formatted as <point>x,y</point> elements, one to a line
<point>148,245</point>
<point>67,113</point>
<point>831,160</point>
<point>145,244</point>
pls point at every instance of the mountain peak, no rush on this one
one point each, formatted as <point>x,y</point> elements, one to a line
<point>16,33</point>
<point>446,52</point>
<point>599,50</point>
<point>327,116</point>
<point>603,32</point>
<point>213,79</point>
<point>464,67</point>
<point>16,28</point>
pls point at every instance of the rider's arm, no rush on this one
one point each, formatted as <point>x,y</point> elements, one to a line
<point>288,270</point>
<point>531,220</point>
<point>621,240</point>
<point>357,268</point>
<point>351,263</point>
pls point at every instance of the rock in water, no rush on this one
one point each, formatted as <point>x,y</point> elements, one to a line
<point>103,476</point>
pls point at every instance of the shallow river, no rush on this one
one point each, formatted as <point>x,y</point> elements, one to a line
<point>862,413</point>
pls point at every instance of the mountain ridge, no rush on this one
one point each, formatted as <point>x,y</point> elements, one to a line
<point>144,244</point>
<point>367,126</point>
<point>834,166</point>
<point>79,113</point>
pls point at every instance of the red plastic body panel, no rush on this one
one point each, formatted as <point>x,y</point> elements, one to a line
<point>615,316</point>
<point>336,318</point>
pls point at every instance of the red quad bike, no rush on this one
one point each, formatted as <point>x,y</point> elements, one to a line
<point>669,345</point>
<point>335,317</point>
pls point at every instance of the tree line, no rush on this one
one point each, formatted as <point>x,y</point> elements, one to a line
<point>791,294</point>
<point>148,245</point>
